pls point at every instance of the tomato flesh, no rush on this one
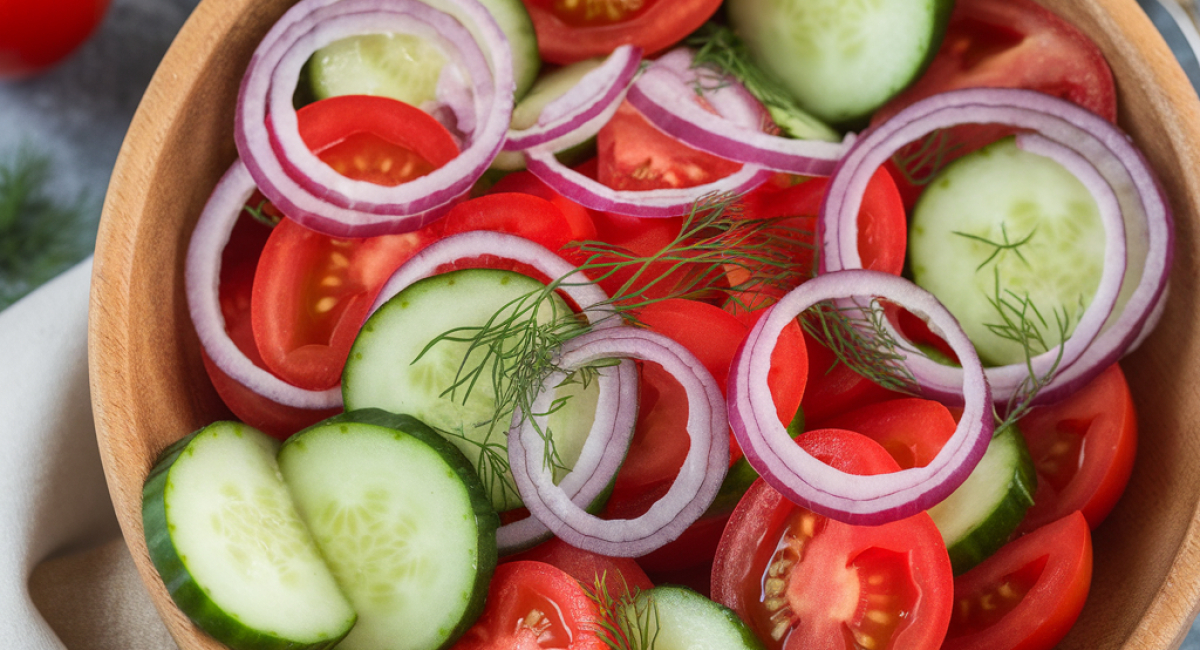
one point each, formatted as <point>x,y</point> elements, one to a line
<point>1028,594</point>
<point>574,30</point>
<point>311,291</point>
<point>804,581</point>
<point>534,606</point>
<point>589,13</point>
<point>1083,449</point>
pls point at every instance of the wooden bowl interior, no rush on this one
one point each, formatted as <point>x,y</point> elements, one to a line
<point>149,387</point>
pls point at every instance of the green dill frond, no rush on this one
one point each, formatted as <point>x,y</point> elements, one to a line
<point>858,335</point>
<point>266,217</point>
<point>39,237</point>
<point>1021,322</point>
<point>1000,247</point>
<point>626,623</point>
<point>919,162</point>
<point>718,47</point>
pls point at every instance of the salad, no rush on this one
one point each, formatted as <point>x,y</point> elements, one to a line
<point>529,312</point>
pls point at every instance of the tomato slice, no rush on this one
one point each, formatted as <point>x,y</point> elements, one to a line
<point>803,581</point>
<point>529,216</point>
<point>620,574</point>
<point>534,606</point>
<point>238,263</point>
<point>574,30</point>
<point>312,292</point>
<point>635,155</point>
<point>578,217</point>
<point>1083,449</point>
<point>1026,596</point>
<point>832,387</point>
<point>911,429</point>
<point>999,43</point>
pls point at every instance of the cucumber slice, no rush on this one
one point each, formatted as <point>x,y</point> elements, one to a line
<point>400,66</point>
<point>980,516</point>
<point>383,371</point>
<point>406,67</point>
<point>841,59</point>
<point>677,618</point>
<point>1003,216</point>
<point>232,550</point>
<point>402,521</point>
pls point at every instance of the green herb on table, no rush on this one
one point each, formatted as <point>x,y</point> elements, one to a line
<point>39,237</point>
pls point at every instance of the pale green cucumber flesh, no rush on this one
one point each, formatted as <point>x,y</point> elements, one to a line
<point>402,521</point>
<point>406,67</point>
<point>678,618</point>
<point>1005,221</point>
<point>390,368</point>
<point>981,515</point>
<point>400,66</point>
<point>232,551</point>
<point>841,59</point>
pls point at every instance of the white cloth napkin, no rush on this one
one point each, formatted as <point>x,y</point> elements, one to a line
<point>56,501</point>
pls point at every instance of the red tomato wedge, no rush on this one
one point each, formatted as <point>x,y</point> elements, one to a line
<point>619,574</point>
<point>578,217</point>
<point>1026,596</point>
<point>312,292</point>
<point>238,262</point>
<point>999,43</point>
<point>806,582</point>
<point>911,429</point>
<point>574,30</point>
<point>534,606</point>
<point>635,155</point>
<point>532,217</point>
<point>834,388</point>
<point>1083,449</point>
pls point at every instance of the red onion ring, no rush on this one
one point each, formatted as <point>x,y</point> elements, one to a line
<point>309,191</point>
<point>863,500</point>
<point>666,92</point>
<point>579,114</point>
<point>690,494</point>
<point>1103,149</point>
<point>202,282</point>
<point>648,203</point>
<point>616,409</point>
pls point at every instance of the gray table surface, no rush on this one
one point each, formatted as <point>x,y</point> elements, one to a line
<point>77,114</point>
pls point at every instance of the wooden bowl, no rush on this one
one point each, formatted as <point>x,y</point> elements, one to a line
<point>149,387</point>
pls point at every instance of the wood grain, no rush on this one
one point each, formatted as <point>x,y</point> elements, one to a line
<point>149,387</point>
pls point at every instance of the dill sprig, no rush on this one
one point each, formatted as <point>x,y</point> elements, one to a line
<point>717,46</point>
<point>1024,324</point>
<point>1000,247</point>
<point>514,352</point>
<point>919,162</point>
<point>39,237</point>
<point>715,241</point>
<point>857,334</point>
<point>626,623</point>
<point>262,215</point>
